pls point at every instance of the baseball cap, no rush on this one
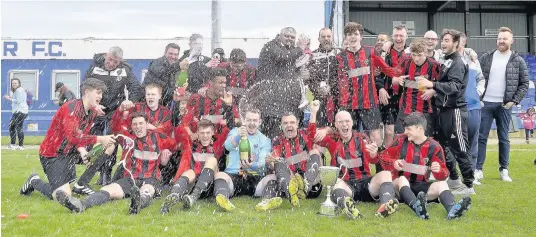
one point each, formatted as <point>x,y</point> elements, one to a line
<point>58,86</point>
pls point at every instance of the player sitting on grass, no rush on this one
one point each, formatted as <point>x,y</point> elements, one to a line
<point>242,176</point>
<point>296,158</point>
<point>65,141</point>
<point>412,157</point>
<point>352,150</point>
<point>141,179</point>
<point>199,162</point>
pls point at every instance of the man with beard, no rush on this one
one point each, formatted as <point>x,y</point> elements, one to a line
<point>141,179</point>
<point>240,76</point>
<point>162,72</point>
<point>323,77</point>
<point>388,92</point>
<point>411,158</point>
<point>412,99</point>
<point>242,176</point>
<point>199,163</point>
<point>507,82</point>
<point>294,157</point>
<point>199,65</point>
<point>66,138</point>
<point>451,122</point>
<point>110,68</point>
<point>354,152</point>
<point>356,84</point>
<point>158,120</point>
<point>280,84</point>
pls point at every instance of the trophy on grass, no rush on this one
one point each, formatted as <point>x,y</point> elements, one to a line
<point>328,176</point>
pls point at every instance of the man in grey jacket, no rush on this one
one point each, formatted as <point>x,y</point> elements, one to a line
<point>507,81</point>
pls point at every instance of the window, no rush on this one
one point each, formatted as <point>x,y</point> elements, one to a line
<point>29,80</point>
<point>69,78</point>
<point>143,73</point>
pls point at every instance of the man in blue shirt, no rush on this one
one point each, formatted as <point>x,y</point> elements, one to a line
<point>242,176</point>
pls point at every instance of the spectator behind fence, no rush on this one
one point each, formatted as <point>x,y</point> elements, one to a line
<point>507,81</point>
<point>64,93</point>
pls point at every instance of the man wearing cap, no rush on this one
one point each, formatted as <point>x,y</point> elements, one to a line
<point>65,94</point>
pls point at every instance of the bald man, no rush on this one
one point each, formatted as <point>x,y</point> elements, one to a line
<point>431,43</point>
<point>355,151</point>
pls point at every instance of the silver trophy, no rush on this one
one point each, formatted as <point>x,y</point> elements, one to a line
<point>328,176</point>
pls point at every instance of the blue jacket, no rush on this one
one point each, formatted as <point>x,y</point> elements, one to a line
<point>260,145</point>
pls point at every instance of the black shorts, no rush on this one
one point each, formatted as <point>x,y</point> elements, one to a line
<point>243,186</point>
<point>169,170</point>
<point>430,124</point>
<point>126,185</point>
<point>389,112</point>
<point>370,118</point>
<point>417,187</point>
<point>360,190</point>
<point>59,170</point>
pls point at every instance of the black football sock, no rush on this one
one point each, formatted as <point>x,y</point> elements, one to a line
<point>206,177</point>
<point>146,200</point>
<point>95,199</point>
<point>270,190</point>
<point>119,172</point>
<point>387,192</point>
<point>312,170</point>
<point>181,187</point>
<point>221,187</point>
<point>447,199</point>
<point>282,173</point>
<point>338,196</point>
<point>91,170</point>
<point>407,195</point>
<point>42,187</point>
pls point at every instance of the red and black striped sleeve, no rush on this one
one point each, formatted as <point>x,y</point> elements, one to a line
<point>391,153</point>
<point>277,147</point>
<point>388,71</point>
<point>185,162</point>
<point>192,111</point>
<point>439,157</point>
<point>71,124</point>
<point>311,133</point>
<point>165,125</point>
<point>219,149</point>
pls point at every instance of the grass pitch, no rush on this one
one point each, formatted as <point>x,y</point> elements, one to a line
<point>499,209</point>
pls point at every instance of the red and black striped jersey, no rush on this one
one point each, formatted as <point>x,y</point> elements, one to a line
<point>160,118</point>
<point>411,100</point>
<point>393,58</point>
<point>295,150</point>
<point>353,155</point>
<point>194,154</point>
<point>143,160</point>
<point>199,106</point>
<point>357,86</point>
<point>418,159</point>
<point>243,80</point>
<point>68,130</point>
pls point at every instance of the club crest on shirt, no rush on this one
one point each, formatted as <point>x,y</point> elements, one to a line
<point>366,62</point>
<point>426,160</point>
<point>447,63</point>
<point>119,72</point>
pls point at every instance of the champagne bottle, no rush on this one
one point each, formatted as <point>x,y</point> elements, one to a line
<point>181,78</point>
<point>95,152</point>
<point>244,148</point>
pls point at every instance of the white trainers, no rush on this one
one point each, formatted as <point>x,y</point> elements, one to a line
<point>455,184</point>
<point>21,148</point>
<point>476,182</point>
<point>479,174</point>
<point>504,176</point>
<point>12,147</point>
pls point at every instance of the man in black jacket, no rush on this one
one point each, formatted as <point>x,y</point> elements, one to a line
<point>117,75</point>
<point>452,111</point>
<point>162,72</point>
<point>199,68</point>
<point>507,82</point>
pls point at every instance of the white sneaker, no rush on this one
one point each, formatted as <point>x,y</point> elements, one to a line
<point>504,176</point>
<point>455,184</point>
<point>21,148</point>
<point>479,175</point>
<point>12,147</point>
<point>476,182</point>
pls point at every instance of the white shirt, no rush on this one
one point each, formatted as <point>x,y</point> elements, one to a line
<point>497,77</point>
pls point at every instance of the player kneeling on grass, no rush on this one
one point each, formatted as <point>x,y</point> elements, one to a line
<point>144,152</point>
<point>293,157</point>
<point>411,157</point>
<point>66,139</point>
<point>352,150</point>
<point>198,164</point>
<point>242,176</point>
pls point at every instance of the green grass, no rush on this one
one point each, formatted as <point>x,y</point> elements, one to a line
<point>499,209</point>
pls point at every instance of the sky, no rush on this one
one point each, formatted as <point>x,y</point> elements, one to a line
<point>156,19</point>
